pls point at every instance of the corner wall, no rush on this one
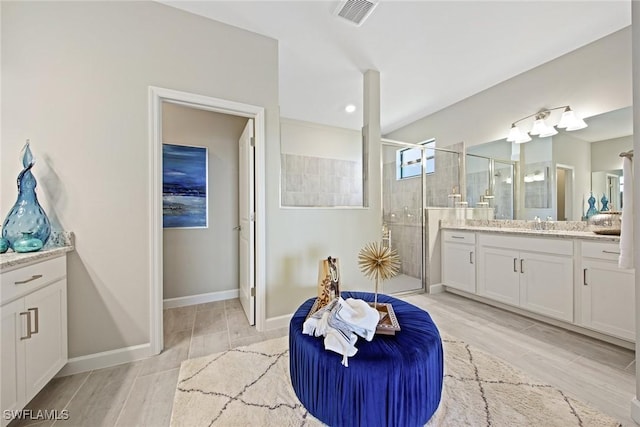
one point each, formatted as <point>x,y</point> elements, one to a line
<point>75,79</point>
<point>593,79</point>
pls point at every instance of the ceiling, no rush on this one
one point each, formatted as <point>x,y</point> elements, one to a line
<point>430,54</point>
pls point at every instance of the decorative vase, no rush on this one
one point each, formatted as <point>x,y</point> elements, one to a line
<point>592,207</point>
<point>605,203</point>
<point>4,245</point>
<point>27,243</point>
<point>26,215</point>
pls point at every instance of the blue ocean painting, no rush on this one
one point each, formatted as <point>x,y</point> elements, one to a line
<point>184,186</point>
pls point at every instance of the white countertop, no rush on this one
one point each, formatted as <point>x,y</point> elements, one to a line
<point>12,260</point>
<point>562,234</point>
<point>59,243</point>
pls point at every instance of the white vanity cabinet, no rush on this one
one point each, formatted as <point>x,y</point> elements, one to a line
<point>535,274</point>
<point>458,260</point>
<point>33,308</point>
<point>607,293</point>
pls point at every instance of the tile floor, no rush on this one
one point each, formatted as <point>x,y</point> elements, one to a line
<point>141,393</point>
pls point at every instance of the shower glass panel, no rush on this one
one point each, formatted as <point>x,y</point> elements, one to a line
<point>491,182</point>
<point>503,181</point>
<point>402,208</point>
<point>478,181</point>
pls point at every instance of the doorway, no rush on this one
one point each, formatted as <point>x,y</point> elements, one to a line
<point>564,192</point>
<point>156,98</point>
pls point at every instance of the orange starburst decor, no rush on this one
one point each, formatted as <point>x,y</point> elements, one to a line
<point>378,262</point>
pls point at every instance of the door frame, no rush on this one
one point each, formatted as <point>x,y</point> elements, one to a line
<point>157,95</point>
<point>569,203</point>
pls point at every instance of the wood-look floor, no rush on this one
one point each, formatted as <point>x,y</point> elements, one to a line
<point>141,393</point>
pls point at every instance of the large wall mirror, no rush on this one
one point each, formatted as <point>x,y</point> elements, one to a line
<point>552,177</point>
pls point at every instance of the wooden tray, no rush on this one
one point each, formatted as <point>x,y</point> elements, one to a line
<point>388,324</point>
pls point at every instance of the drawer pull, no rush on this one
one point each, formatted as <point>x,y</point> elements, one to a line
<point>457,237</point>
<point>522,266</point>
<point>34,277</point>
<point>471,257</point>
<point>611,252</point>
<point>26,313</point>
<point>584,277</point>
<point>515,267</point>
<point>37,320</point>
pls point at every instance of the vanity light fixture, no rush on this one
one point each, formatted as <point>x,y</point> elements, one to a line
<point>568,121</point>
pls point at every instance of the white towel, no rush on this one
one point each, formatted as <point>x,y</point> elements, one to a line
<point>626,233</point>
<point>340,322</point>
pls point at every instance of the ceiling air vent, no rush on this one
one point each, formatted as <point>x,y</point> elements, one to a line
<point>355,11</point>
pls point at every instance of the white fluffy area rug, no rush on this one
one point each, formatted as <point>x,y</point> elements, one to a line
<point>250,386</point>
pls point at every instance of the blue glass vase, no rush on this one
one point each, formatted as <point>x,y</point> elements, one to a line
<point>27,243</point>
<point>4,245</point>
<point>605,203</point>
<point>26,215</point>
<point>592,207</point>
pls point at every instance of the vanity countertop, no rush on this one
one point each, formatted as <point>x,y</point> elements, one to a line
<point>563,234</point>
<point>59,243</point>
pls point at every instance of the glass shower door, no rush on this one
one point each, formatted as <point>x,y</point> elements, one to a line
<point>402,211</point>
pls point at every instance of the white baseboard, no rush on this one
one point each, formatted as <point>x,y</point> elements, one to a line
<point>278,322</point>
<point>436,289</point>
<point>635,410</point>
<point>200,298</point>
<point>105,359</point>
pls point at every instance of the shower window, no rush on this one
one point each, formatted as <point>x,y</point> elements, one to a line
<point>409,161</point>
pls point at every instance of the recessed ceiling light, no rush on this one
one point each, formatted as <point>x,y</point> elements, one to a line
<point>350,108</point>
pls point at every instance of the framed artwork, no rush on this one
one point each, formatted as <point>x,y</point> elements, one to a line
<point>184,186</point>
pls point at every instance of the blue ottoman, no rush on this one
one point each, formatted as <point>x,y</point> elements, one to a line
<point>391,381</point>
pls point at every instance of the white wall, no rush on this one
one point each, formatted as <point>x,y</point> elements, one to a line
<point>75,78</point>
<point>205,260</point>
<point>635,19</point>
<point>316,140</point>
<point>605,155</point>
<point>593,79</point>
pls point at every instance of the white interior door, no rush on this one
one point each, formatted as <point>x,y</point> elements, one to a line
<point>247,222</point>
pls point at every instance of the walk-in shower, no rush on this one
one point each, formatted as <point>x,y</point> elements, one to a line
<point>415,177</point>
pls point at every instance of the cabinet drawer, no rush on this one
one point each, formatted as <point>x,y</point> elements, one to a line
<point>459,236</point>
<point>547,245</point>
<point>22,281</point>
<point>600,250</point>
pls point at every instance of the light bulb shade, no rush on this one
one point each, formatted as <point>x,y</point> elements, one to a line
<point>514,133</point>
<point>524,137</point>
<point>550,131</point>
<point>570,121</point>
<point>517,135</point>
<point>540,127</point>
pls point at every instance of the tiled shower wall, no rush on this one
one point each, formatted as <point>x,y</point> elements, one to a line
<point>320,182</point>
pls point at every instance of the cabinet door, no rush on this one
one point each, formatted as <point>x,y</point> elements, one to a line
<point>546,284</point>
<point>458,266</point>
<point>498,274</point>
<point>46,350</point>
<point>12,351</point>
<point>608,299</point>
